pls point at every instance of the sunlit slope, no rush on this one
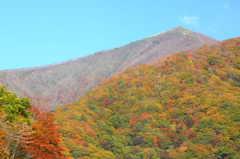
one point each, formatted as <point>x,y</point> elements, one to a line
<point>54,85</point>
<point>186,106</point>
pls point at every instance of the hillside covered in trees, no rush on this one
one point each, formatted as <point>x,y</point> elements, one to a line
<point>54,85</point>
<point>183,107</point>
<point>26,133</point>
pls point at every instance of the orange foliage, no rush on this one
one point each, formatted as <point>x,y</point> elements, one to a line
<point>195,120</point>
<point>156,142</point>
<point>144,114</point>
<point>45,141</point>
<point>2,144</point>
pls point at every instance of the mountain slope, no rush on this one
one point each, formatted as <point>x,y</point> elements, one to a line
<point>186,106</point>
<point>55,85</point>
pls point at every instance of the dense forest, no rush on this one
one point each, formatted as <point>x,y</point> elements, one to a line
<point>185,106</point>
<point>25,132</point>
<point>58,84</point>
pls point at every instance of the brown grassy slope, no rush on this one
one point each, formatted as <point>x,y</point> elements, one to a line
<point>63,83</point>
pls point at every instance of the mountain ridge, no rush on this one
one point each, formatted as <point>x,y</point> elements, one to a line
<point>49,65</point>
<point>67,81</point>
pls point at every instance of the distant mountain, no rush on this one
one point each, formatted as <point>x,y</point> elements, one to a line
<point>186,106</point>
<point>54,85</point>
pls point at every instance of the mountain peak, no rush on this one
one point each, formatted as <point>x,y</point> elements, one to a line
<point>177,30</point>
<point>66,82</point>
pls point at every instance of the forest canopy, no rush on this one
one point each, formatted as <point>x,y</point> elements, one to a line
<point>185,106</point>
<point>26,132</point>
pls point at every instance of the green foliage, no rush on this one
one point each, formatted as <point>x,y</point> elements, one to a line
<point>226,152</point>
<point>21,136</point>
<point>15,109</point>
<point>186,106</point>
<point>190,62</point>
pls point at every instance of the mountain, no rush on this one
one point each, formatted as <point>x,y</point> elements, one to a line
<point>186,106</point>
<point>54,85</point>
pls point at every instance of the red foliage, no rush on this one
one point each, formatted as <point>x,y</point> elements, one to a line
<point>185,144</point>
<point>168,132</point>
<point>134,119</point>
<point>144,114</point>
<point>170,103</point>
<point>189,54</point>
<point>120,129</point>
<point>2,141</point>
<point>215,141</point>
<point>114,87</point>
<point>192,135</point>
<point>127,83</point>
<point>156,142</point>
<point>106,101</point>
<point>195,120</point>
<point>44,141</point>
<point>199,82</point>
<point>104,144</point>
<point>182,90</point>
<point>163,66</point>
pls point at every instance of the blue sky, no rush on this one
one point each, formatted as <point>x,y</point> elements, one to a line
<point>42,32</point>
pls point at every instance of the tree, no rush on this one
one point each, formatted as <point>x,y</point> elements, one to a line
<point>14,108</point>
<point>44,141</point>
<point>3,149</point>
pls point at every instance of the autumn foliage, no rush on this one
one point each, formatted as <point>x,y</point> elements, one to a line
<point>26,132</point>
<point>186,106</point>
<point>44,142</point>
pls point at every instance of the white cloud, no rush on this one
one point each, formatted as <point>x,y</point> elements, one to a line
<point>189,20</point>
